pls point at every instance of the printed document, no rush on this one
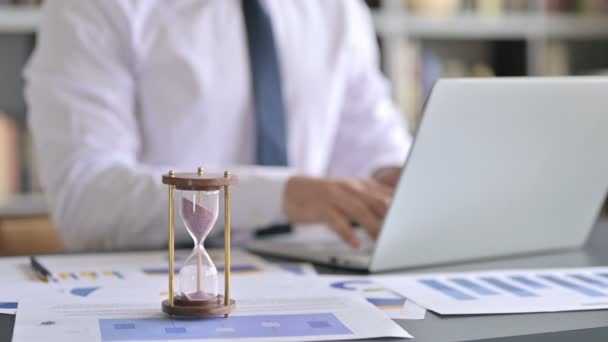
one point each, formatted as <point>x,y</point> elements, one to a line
<point>502,292</point>
<point>89,268</point>
<point>153,288</point>
<point>390,302</point>
<point>321,318</point>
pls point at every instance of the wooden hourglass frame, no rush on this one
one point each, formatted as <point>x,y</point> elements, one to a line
<point>199,181</point>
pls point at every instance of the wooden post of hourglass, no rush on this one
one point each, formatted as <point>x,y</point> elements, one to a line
<point>181,305</point>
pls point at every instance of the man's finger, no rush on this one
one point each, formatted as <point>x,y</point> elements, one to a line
<point>354,204</point>
<point>378,188</point>
<point>379,203</point>
<point>342,227</point>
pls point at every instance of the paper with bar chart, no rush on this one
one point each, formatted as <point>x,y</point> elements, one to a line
<point>117,267</point>
<point>391,303</point>
<point>295,318</point>
<point>513,291</point>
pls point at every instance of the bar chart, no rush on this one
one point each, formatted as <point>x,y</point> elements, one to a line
<point>514,291</point>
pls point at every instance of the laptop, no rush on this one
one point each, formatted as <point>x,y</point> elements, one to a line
<point>499,167</point>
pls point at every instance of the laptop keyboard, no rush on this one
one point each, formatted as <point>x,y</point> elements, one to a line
<point>341,248</point>
<point>318,243</point>
<point>366,248</point>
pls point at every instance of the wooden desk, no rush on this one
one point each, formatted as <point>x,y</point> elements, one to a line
<point>25,227</point>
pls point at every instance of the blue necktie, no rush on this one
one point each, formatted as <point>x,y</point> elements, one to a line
<point>271,142</point>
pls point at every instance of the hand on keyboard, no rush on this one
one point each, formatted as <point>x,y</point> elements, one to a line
<point>337,203</point>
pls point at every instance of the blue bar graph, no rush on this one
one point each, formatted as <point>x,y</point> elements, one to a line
<point>573,286</point>
<point>473,286</point>
<point>83,291</point>
<point>446,289</point>
<point>528,282</point>
<point>387,302</point>
<point>503,285</point>
<point>296,269</point>
<point>8,305</point>
<point>261,326</point>
<point>589,280</point>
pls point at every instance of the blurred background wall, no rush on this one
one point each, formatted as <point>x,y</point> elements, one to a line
<point>420,41</point>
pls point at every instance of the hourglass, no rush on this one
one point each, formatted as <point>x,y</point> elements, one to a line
<point>198,199</point>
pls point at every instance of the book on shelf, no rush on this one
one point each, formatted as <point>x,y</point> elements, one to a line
<point>24,2</point>
<point>592,7</point>
<point>374,4</point>
<point>18,167</point>
<point>557,59</point>
<point>434,7</point>
<point>490,8</point>
<point>9,156</point>
<point>584,7</point>
<point>406,85</point>
<point>30,182</point>
<point>419,68</point>
<point>493,8</point>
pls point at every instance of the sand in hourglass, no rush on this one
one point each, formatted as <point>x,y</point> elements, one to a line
<point>199,221</point>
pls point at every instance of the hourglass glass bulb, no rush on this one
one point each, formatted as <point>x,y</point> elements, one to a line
<point>198,219</point>
<point>198,276</point>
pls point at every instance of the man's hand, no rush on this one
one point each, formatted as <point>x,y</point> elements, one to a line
<point>338,203</point>
<point>388,176</point>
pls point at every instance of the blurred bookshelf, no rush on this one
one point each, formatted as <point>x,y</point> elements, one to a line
<point>420,41</point>
<point>18,24</point>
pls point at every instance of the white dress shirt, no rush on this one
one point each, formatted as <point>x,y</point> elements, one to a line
<point>120,92</point>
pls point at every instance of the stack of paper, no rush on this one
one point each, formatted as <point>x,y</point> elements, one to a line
<point>111,297</point>
<point>107,268</point>
<point>108,297</point>
<point>291,318</point>
<point>270,307</point>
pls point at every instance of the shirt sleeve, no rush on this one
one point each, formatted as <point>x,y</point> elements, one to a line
<point>80,90</point>
<point>372,133</point>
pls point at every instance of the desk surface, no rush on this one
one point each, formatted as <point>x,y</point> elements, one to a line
<point>595,253</point>
<point>562,326</point>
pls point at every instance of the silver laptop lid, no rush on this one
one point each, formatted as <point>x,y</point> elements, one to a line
<point>499,167</point>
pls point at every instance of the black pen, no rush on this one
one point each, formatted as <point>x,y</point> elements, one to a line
<point>39,269</point>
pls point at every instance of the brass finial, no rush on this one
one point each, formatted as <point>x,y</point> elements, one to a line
<point>171,173</point>
<point>226,174</point>
<point>200,171</point>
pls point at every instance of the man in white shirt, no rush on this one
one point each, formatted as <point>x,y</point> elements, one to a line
<point>286,94</point>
